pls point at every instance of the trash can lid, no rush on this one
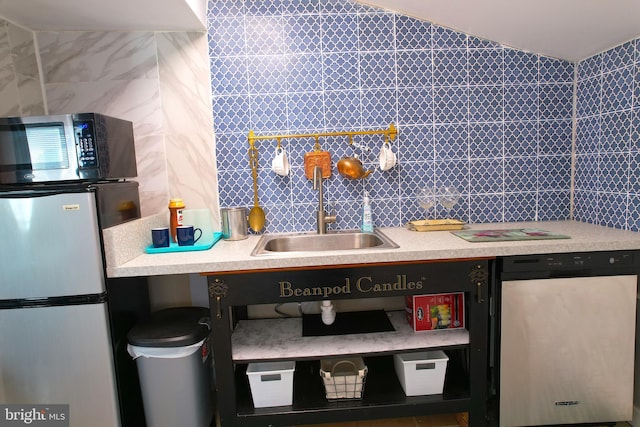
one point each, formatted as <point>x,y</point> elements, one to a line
<point>172,327</point>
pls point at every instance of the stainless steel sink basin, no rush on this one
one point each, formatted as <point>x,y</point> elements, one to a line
<point>312,242</point>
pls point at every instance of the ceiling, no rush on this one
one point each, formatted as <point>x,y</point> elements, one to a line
<point>566,29</point>
<point>109,15</point>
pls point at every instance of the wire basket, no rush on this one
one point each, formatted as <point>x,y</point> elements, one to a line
<point>343,378</point>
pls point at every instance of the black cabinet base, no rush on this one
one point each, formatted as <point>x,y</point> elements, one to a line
<point>383,396</point>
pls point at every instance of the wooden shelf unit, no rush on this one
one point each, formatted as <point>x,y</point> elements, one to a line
<point>466,379</point>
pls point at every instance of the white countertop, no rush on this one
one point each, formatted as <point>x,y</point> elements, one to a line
<point>124,248</point>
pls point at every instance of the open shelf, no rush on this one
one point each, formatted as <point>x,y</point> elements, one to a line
<point>382,391</point>
<point>240,341</point>
<point>271,339</point>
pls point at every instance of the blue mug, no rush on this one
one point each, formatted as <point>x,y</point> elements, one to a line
<point>160,237</point>
<point>185,234</point>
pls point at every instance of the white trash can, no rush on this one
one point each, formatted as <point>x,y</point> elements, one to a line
<point>172,355</point>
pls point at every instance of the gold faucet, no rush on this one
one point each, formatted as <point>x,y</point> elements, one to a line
<point>322,218</point>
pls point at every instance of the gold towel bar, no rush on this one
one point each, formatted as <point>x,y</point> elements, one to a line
<point>388,133</point>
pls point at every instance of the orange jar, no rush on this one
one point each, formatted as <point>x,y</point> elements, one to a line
<point>175,216</point>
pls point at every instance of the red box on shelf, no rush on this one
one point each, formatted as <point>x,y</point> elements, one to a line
<point>435,312</point>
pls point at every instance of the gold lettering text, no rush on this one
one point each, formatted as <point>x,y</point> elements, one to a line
<point>364,284</point>
<point>285,290</point>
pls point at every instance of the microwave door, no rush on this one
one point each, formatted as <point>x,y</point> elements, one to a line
<point>37,151</point>
<point>15,156</point>
<point>50,245</point>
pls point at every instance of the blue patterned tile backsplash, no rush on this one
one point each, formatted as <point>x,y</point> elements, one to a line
<point>607,144</point>
<point>493,121</point>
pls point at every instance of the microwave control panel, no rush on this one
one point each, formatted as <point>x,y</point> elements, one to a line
<point>85,143</point>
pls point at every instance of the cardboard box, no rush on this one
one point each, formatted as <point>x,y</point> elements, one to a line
<point>435,312</point>
<point>421,372</point>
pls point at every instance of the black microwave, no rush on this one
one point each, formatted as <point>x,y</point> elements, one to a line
<point>69,147</point>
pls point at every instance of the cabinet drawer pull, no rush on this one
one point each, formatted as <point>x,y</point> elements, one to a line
<point>218,289</point>
<point>479,276</point>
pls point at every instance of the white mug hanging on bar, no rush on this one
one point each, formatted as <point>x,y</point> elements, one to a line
<point>280,163</point>
<point>387,157</point>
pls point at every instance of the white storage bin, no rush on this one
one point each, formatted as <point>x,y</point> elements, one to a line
<point>421,372</point>
<point>271,383</point>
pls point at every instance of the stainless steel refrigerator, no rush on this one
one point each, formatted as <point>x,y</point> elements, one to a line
<point>58,336</point>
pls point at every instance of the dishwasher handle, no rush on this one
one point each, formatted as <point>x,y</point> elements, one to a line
<point>549,274</point>
<point>574,264</point>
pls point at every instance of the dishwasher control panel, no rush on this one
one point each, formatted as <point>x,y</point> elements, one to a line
<point>569,261</point>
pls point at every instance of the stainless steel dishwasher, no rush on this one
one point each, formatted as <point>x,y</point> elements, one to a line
<point>566,333</point>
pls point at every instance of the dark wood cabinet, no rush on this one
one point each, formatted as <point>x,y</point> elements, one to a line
<point>466,382</point>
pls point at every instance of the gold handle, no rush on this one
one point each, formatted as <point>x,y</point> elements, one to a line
<point>253,163</point>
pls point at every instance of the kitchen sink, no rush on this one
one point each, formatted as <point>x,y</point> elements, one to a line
<point>313,242</point>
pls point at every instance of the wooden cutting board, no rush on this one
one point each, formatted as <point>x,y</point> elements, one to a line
<point>317,158</point>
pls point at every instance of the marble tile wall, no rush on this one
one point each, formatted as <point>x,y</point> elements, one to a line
<point>607,184</point>
<point>20,85</point>
<point>160,82</point>
<point>188,122</point>
<point>493,121</point>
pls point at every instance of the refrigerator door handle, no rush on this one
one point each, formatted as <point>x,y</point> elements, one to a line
<point>9,304</point>
<point>13,193</point>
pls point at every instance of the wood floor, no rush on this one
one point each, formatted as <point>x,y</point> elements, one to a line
<point>445,420</point>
